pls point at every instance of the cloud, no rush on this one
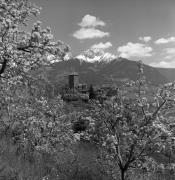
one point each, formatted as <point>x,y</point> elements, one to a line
<point>91,21</point>
<point>165,40</point>
<point>134,50</point>
<point>163,64</point>
<point>145,38</point>
<point>169,62</point>
<point>88,28</point>
<point>169,53</point>
<point>90,33</point>
<point>102,45</point>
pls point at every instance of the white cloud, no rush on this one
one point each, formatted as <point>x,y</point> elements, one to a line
<point>134,50</point>
<point>89,33</point>
<point>145,39</point>
<point>165,40</point>
<point>88,28</point>
<point>91,21</point>
<point>102,45</point>
<point>163,64</point>
<point>169,53</point>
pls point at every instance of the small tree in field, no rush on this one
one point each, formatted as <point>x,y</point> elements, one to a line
<point>131,131</point>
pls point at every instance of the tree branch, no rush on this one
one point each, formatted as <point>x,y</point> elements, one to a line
<point>4,65</point>
<point>158,109</point>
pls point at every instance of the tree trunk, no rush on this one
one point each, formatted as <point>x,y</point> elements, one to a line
<point>122,174</point>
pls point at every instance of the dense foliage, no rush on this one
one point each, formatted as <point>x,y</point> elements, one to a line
<point>131,132</point>
<point>31,118</point>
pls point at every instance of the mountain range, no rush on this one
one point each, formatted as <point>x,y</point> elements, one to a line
<point>97,67</point>
<point>114,71</point>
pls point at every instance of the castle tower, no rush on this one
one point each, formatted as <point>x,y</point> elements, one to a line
<point>73,80</point>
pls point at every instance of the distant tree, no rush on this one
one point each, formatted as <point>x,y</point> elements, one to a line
<point>129,132</point>
<point>91,92</point>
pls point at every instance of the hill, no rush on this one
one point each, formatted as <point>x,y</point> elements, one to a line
<point>114,71</point>
<point>169,73</point>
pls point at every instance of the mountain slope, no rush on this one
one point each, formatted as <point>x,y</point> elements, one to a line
<point>169,73</point>
<point>100,73</point>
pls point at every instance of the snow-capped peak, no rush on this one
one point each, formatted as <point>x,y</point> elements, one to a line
<point>96,55</point>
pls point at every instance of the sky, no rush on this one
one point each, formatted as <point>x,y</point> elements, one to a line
<point>133,29</point>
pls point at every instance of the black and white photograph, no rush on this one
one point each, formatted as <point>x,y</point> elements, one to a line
<point>87,89</point>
